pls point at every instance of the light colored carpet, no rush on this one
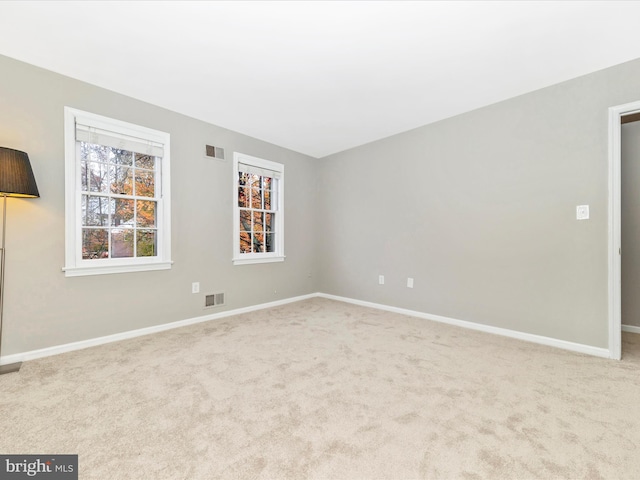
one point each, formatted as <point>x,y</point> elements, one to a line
<point>326,390</point>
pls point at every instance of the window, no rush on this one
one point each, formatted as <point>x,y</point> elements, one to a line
<point>258,212</point>
<point>118,210</point>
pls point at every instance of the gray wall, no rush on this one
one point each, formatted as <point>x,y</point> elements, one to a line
<point>631,224</point>
<point>480,209</point>
<point>44,308</point>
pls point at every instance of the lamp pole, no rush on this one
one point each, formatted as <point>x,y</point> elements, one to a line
<point>12,367</point>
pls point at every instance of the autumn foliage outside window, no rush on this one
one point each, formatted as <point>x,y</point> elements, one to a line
<point>118,201</point>
<point>257,215</point>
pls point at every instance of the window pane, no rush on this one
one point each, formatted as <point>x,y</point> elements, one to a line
<point>90,152</point>
<point>95,211</point>
<point>122,243</point>
<point>84,177</point>
<point>94,177</point>
<point>256,198</point>
<point>254,181</point>
<point>146,213</point>
<point>122,212</point>
<point>245,220</point>
<point>145,183</point>
<point>269,222</point>
<point>258,243</point>
<point>267,194</point>
<point>98,177</point>
<point>120,157</point>
<point>146,243</point>
<point>145,161</point>
<point>245,242</point>
<point>269,242</point>
<point>95,243</point>
<point>243,197</point>
<point>120,179</point>
<point>85,150</point>
<point>258,222</point>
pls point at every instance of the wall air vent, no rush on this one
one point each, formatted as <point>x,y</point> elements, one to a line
<point>214,300</point>
<point>214,152</point>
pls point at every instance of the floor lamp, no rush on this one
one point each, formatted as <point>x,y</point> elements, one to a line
<point>16,180</point>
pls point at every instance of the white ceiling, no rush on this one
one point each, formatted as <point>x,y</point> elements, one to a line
<point>321,77</point>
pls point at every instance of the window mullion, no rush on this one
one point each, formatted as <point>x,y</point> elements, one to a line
<point>255,230</point>
<point>109,223</point>
<point>134,189</point>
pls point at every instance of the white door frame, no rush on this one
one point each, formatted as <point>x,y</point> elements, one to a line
<point>615,225</point>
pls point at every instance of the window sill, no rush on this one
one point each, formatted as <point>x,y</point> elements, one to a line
<point>248,261</point>
<point>110,269</point>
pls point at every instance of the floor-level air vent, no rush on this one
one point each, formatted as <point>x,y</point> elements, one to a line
<point>215,152</point>
<point>214,300</point>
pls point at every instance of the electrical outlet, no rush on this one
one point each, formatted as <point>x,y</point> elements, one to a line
<point>195,287</point>
<point>381,279</point>
<point>409,282</point>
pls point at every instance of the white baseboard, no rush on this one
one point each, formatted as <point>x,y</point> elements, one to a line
<point>529,337</point>
<point>70,347</point>
<point>630,329</point>
<point>552,342</point>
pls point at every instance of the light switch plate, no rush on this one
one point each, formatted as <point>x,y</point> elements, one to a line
<point>582,212</point>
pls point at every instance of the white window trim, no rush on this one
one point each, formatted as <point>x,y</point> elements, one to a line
<point>251,258</point>
<point>74,264</point>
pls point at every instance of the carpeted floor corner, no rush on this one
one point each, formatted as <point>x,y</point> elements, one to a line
<point>326,390</point>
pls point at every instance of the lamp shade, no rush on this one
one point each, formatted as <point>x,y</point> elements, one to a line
<point>16,175</point>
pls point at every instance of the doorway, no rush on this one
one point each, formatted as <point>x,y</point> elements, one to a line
<point>616,116</point>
